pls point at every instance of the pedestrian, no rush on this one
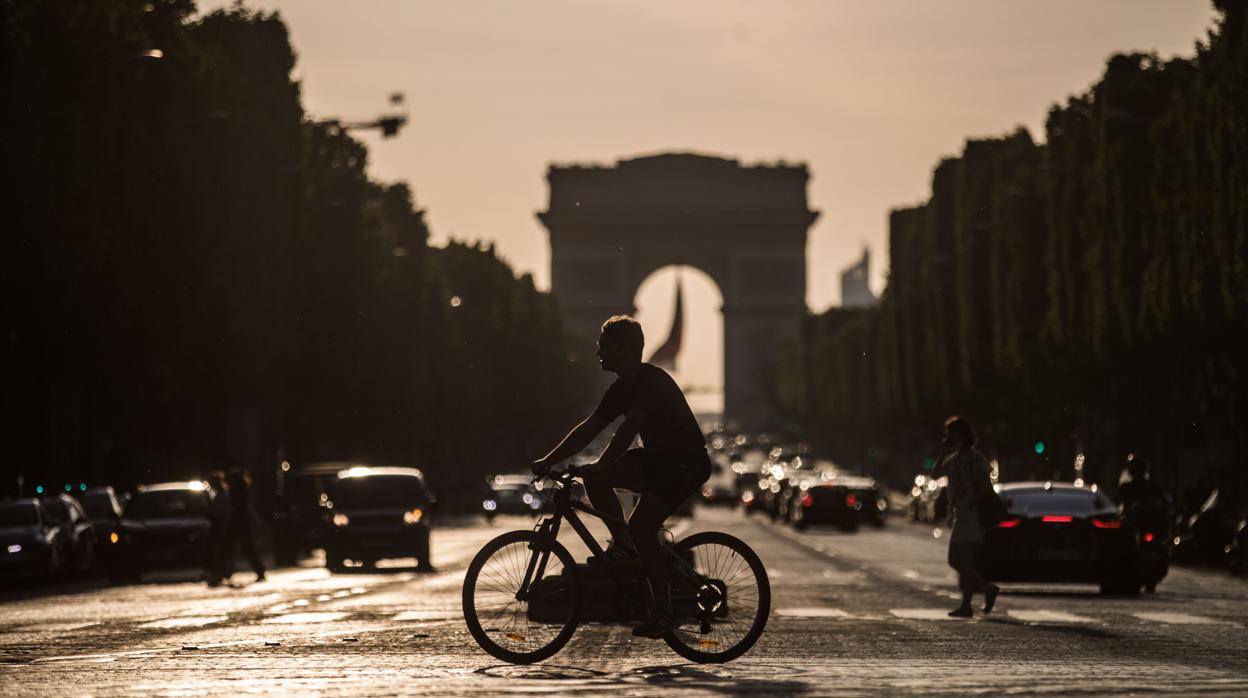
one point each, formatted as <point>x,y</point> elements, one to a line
<point>970,477</point>
<point>219,518</point>
<point>239,531</point>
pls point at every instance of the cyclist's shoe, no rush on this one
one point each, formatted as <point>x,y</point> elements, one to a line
<point>658,624</point>
<point>617,556</point>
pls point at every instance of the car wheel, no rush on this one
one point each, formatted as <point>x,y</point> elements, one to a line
<point>422,552</point>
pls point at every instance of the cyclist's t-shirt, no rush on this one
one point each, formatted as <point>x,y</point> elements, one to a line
<point>670,425</point>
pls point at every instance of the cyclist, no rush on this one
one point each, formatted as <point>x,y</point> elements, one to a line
<point>671,465</point>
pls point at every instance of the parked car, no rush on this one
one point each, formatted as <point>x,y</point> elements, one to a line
<point>299,522</point>
<point>163,526</point>
<point>30,546</point>
<point>104,509</point>
<point>378,513</point>
<point>1062,532</point>
<point>77,534</point>
<point>511,494</point>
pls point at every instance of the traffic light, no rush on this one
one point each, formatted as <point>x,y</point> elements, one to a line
<point>1039,448</point>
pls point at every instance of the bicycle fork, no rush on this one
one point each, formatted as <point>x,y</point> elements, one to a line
<point>537,563</point>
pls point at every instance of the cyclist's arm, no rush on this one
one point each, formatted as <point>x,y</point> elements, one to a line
<point>623,437</point>
<point>576,440</point>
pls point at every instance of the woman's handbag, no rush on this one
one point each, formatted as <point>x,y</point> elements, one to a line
<point>991,509</point>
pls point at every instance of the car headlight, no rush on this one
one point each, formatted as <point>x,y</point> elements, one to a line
<point>113,537</point>
<point>489,505</point>
<point>414,516</point>
<point>341,520</point>
<point>15,548</point>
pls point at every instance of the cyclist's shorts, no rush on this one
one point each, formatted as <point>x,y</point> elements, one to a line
<point>672,475</point>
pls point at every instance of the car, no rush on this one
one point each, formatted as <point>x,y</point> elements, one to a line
<point>720,489</point>
<point>746,482</point>
<point>104,509</point>
<point>829,502</point>
<point>511,494</point>
<point>1059,532</point>
<point>30,546</point>
<point>164,526</point>
<point>77,534</point>
<point>870,502</point>
<point>378,513</point>
<point>299,523</point>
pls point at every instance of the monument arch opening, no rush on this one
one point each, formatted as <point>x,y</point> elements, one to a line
<point>680,309</point>
<point>743,226</point>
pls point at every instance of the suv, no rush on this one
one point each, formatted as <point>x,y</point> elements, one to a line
<point>376,513</point>
<point>164,525</point>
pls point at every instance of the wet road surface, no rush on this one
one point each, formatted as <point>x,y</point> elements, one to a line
<point>852,614</point>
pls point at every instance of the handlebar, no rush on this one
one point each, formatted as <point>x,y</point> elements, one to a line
<point>562,477</point>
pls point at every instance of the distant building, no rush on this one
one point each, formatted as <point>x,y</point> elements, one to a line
<point>855,289</point>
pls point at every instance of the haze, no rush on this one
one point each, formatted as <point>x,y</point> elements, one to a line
<point>869,95</point>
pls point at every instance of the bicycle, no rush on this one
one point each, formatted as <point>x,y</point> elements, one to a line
<point>523,594</point>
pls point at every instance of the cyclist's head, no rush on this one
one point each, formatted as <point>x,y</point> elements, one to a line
<point>621,342</point>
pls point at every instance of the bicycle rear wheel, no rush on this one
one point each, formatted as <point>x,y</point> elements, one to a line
<point>724,607</point>
<point>531,628</point>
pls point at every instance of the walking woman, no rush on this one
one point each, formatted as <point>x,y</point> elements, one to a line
<point>970,476</point>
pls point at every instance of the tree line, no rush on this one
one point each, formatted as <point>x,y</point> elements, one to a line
<point>197,273</point>
<point>1083,295</point>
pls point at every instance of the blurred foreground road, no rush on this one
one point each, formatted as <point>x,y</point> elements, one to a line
<point>853,614</point>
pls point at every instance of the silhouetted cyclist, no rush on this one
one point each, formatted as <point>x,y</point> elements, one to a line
<point>671,465</point>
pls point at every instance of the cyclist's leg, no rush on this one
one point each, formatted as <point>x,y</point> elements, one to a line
<point>625,474</point>
<point>652,510</point>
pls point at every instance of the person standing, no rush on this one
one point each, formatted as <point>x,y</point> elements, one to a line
<point>970,476</point>
<point>219,518</point>
<point>239,532</point>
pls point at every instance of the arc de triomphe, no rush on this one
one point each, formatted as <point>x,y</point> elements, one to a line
<point>744,226</point>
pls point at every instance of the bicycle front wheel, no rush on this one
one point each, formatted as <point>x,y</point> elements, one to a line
<point>514,622</point>
<point>725,605</point>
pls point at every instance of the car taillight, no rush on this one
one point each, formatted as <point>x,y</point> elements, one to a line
<point>1009,523</point>
<point>1148,538</point>
<point>807,500</point>
<point>1106,524</point>
<point>1057,519</point>
<point>851,500</point>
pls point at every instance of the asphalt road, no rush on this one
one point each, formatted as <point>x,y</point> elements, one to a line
<point>852,614</point>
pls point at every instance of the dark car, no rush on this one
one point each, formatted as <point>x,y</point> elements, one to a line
<point>30,544</point>
<point>163,526</point>
<point>104,509</point>
<point>720,489</point>
<point>869,501</point>
<point>77,534</point>
<point>1061,532</point>
<point>378,513</point>
<point>825,502</point>
<point>299,523</point>
<point>511,494</point>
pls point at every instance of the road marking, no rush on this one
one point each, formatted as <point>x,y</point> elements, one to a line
<point>910,574</point>
<point>812,612</point>
<point>1049,617</point>
<point>428,615</point>
<point>183,622</point>
<point>1179,618</point>
<point>307,617</point>
<point>921,613</point>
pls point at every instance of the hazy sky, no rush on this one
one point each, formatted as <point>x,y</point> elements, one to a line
<point>869,94</point>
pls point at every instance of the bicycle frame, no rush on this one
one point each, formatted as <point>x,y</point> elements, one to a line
<point>548,530</point>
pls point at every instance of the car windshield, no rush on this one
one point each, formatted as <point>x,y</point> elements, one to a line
<point>378,492</point>
<point>18,515</point>
<point>98,505</point>
<point>1065,503</point>
<point>55,510</point>
<point>166,504</point>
